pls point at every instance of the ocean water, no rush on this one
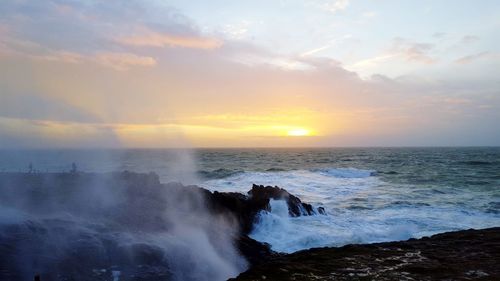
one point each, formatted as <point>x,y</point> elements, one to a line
<point>370,194</point>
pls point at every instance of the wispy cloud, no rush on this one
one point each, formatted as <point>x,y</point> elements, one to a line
<point>62,56</point>
<point>402,50</point>
<point>469,39</point>
<point>316,50</point>
<point>413,51</point>
<point>123,61</point>
<point>336,6</point>
<point>472,58</point>
<point>237,30</point>
<point>369,14</point>
<point>215,78</point>
<point>373,61</point>
<point>439,35</point>
<point>149,38</point>
<point>116,60</point>
<point>32,50</point>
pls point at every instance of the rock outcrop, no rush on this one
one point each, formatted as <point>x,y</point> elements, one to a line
<point>72,223</point>
<point>246,207</point>
<point>460,255</point>
<point>88,239</point>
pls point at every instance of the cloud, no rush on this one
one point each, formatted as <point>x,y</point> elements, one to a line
<point>150,38</point>
<point>316,50</point>
<point>123,61</point>
<point>462,44</point>
<point>369,14</point>
<point>232,94</point>
<point>37,106</point>
<point>218,102</point>
<point>469,39</point>
<point>237,30</point>
<point>401,51</point>
<point>335,6</point>
<point>439,35</point>
<point>27,133</point>
<point>413,51</point>
<point>472,58</point>
<point>418,53</point>
<point>12,46</point>
<point>63,56</point>
<point>96,27</point>
<point>32,50</point>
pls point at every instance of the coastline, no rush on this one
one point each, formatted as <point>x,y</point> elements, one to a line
<point>459,255</point>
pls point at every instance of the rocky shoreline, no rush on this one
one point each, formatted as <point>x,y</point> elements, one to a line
<point>109,204</point>
<point>134,203</point>
<point>460,255</point>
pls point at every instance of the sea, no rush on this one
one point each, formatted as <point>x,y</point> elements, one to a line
<point>370,194</point>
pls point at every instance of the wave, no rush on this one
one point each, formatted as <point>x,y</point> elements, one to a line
<point>275,170</point>
<point>393,222</point>
<point>321,186</point>
<point>289,234</point>
<point>346,172</point>
<point>218,173</point>
<point>361,207</point>
<point>223,173</point>
<point>477,163</point>
<point>387,172</point>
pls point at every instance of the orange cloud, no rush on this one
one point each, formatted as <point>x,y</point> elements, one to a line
<point>63,56</point>
<point>123,61</point>
<point>154,39</point>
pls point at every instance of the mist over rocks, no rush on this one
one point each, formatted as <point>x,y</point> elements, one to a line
<point>92,226</point>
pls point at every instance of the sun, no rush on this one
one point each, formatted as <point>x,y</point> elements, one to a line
<point>298,132</point>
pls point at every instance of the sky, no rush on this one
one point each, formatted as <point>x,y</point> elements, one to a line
<point>260,73</point>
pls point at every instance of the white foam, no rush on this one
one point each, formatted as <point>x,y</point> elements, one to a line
<point>319,187</point>
<point>361,209</point>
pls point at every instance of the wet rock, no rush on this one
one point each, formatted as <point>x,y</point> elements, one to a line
<point>255,252</point>
<point>245,208</point>
<point>87,246</point>
<point>260,196</point>
<point>460,255</point>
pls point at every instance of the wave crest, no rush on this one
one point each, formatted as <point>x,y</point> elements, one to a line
<point>346,172</point>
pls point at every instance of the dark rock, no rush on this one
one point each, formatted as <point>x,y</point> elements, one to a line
<point>460,255</point>
<point>245,208</point>
<point>235,204</point>
<point>106,205</point>
<point>260,196</point>
<point>255,252</point>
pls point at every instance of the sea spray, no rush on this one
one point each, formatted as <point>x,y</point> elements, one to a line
<point>56,224</point>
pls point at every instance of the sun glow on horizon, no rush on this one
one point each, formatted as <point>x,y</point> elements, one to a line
<point>299,132</point>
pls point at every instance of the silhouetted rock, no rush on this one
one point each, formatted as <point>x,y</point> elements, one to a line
<point>245,208</point>
<point>91,245</point>
<point>255,252</point>
<point>460,255</point>
<point>260,195</point>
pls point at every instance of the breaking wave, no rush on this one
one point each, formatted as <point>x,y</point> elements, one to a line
<point>361,208</point>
